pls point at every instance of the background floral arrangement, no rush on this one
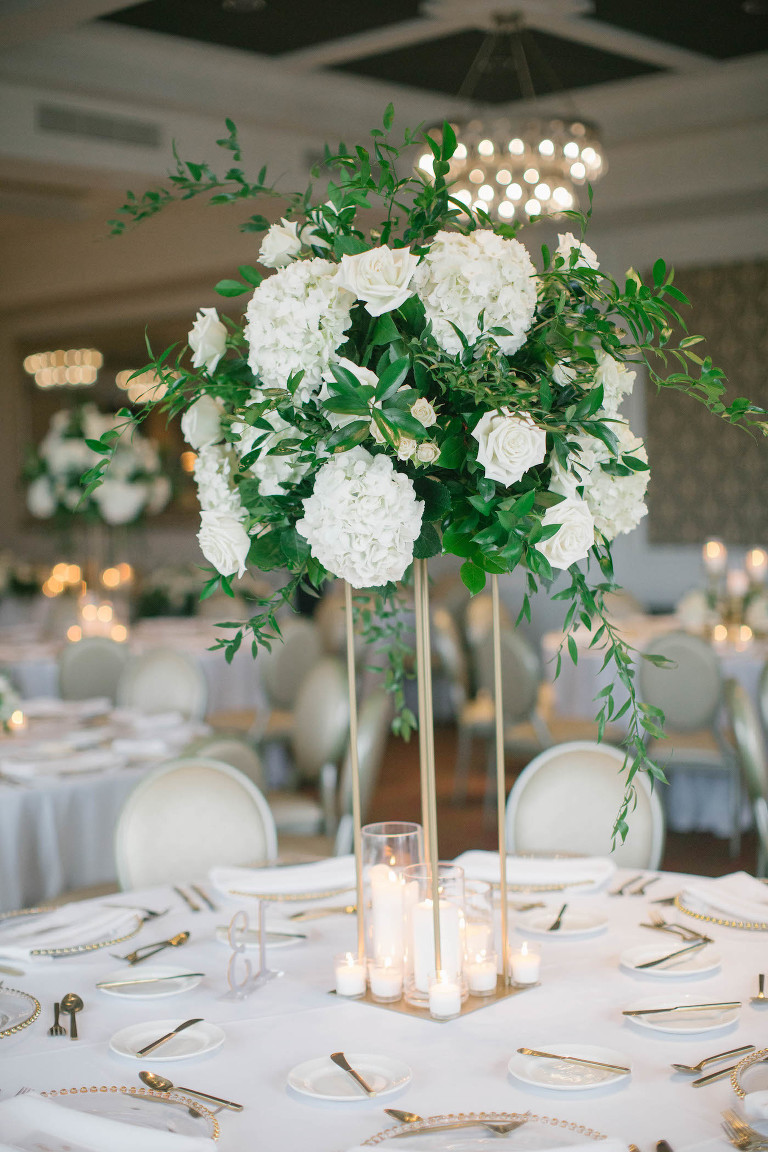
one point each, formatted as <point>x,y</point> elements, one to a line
<point>134,486</point>
<point>9,701</point>
<point>417,386</point>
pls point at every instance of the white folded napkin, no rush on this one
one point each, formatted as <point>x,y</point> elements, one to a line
<point>335,874</point>
<point>585,873</point>
<point>738,896</point>
<point>402,1145</point>
<point>32,1121</point>
<point>147,721</point>
<point>95,760</point>
<point>141,747</point>
<point>64,927</point>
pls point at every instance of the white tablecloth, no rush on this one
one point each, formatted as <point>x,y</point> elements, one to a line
<point>695,801</point>
<point>235,686</point>
<point>460,1065</point>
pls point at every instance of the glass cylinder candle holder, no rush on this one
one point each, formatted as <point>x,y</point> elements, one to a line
<point>349,971</point>
<point>387,849</point>
<point>478,919</point>
<point>756,564</point>
<point>480,972</point>
<point>714,556</point>
<point>385,979</point>
<point>526,964</point>
<point>445,995</point>
<point>420,958</point>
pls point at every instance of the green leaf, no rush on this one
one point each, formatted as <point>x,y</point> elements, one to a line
<point>389,116</point>
<point>573,650</point>
<point>457,543</point>
<point>451,453</point>
<point>348,436</point>
<point>250,275</point>
<point>472,577</point>
<point>659,272</point>
<point>449,141</point>
<point>385,330</point>
<point>231,288</point>
<point>392,377</point>
<point>428,542</point>
<point>294,547</point>
<point>437,500</point>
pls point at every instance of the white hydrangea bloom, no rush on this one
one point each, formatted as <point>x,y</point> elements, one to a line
<point>617,381</point>
<point>462,276</point>
<point>616,502</point>
<point>272,472</point>
<point>362,519</point>
<point>296,320</point>
<point>216,490</point>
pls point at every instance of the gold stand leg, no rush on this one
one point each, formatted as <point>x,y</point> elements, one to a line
<point>427,740</point>
<point>501,787</point>
<point>353,756</point>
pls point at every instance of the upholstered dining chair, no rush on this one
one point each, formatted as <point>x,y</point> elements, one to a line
<point>690,694</point>
<point>164,680</point>
<point>567,799</point>
<point>91,667</point>
<point>282,670</point>
<point>232,750</point>
<point>187,816</point>
<point>753,761</point>
<point>762,695</point>
<point>372,735</point>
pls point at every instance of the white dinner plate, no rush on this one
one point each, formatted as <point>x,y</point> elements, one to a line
<point>193,1041</point>
<point>564,1076</point>
<point>151,991</point>
<point>138,1106</point>
<point>576,922</point>
<point>684,1023</point>
<point>322,1078</point>
<point>694,964</point>
<point>536,1132</point>
<point>276,938</point>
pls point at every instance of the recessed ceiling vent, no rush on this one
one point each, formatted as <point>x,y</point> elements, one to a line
<point>98,126</point>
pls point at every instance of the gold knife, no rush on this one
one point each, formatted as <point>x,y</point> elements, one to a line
<point>681,1008</point>
<point>573,1060</point>
<point>147,980</point>
<point>168,1035</point>
<point>671,956</point>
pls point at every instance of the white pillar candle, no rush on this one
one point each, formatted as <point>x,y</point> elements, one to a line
<point>756,564</point>
<point>478,937</point>
<point>715,557</point>
<point>17,722</point>
<point>350,975</point>
<point>423,942</point>
<point>387,911</point>
<point>385,979</point>
<point>526,965</point>
<point>737,582</point>
<point>444,997</point>
<point>481,973</point>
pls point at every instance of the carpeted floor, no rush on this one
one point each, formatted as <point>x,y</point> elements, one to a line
<point>470,825</point>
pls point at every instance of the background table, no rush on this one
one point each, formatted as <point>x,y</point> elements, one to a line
<point>460,1065</point>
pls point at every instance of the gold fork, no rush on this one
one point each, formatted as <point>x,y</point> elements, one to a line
<point>743,1135</point>
<point>56,1029</point>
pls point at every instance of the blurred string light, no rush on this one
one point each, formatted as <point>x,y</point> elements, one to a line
<point>515,169</point>
<point>142,388</point>
<point>70,367</point>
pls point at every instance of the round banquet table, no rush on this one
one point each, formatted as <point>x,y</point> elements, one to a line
<point>695,801</point>
<point>231,687</point>
<point>457,1066</point>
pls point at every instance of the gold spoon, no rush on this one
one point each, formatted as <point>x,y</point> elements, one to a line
<point>713,1059</point>
<point>72,1004</point>
<point>163,1084</point>
<point>761,997</point>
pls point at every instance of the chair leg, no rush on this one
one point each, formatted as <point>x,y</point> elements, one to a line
<point>736,802</point>
<point>461,771</point>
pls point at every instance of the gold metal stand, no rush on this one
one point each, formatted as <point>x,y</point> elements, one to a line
<point>501,783</point>
<point>353,756</point>
<point>427,741</point>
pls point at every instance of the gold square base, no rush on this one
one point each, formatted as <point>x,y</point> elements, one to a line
<point>471,1004</point>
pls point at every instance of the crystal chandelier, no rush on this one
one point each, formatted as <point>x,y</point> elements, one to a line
<point>516,169</point>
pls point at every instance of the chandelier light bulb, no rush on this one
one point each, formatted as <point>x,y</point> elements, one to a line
<point>531,175</point>
<point>503,176</point>
<point>578,171</point>
<point>486,192</point>
<point>477,176</point>
<point>543,191</point>
<point>547,148</point>
<point>571,149</point>
<point>589,156</point>
<point>515,192</point>
<point>485,148</point>
<point>506,210</point>
<point>516,147</point>
<point>532,207</point>
<point>426,163</point>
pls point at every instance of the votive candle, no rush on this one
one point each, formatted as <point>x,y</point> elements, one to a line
<point>444,997</point>
<point>526,964</point>
<point>386,979</point>
<point>17,721</point>
<point>481,974</point>
<point>350,974</point>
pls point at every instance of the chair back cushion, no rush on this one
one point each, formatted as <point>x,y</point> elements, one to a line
<point>748,735</point>
<point>91,667</point>
<point>567,800</point>
<point>520,673</point>
<point>690,693</point>
<point>164,680</point>
<point>283,669</point>
<point>188,816</point>
<point>321,718</point>
<point>230,750</point>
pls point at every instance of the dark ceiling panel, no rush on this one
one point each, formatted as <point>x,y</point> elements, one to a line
<point>441,65</point>
<point>717,28</point>
<point>274,29</point>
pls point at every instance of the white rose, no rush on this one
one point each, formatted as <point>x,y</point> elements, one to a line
<point>224,542</point>
<point>405,448</point>
<point>586,257</point>
<point>380,278</point>
<point>207,339</point>
<point>509,445</point>
<point>281,245</point>
<point>617,380</point>
<point>120,501</point>
<point>575,537</point>
<point>40,498</point>
<point>563,373</point>
<point>201,423</point>
<point>427,452</point>
<point>423,411</point>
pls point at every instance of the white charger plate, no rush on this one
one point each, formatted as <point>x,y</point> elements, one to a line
<point>535,1133</point>
<point>151,991</point>
<point>324,1080</point>
<point>141,1107</point>
<point>193,1041</point>
<point>566,1077</point>
<point>576,922</point>
<point>694,964</point>
<point>684,1023</point>
<point>276,938</point>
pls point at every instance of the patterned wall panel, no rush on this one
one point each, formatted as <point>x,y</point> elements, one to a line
<point>708,478</point>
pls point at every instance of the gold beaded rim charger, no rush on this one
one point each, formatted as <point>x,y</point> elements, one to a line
<point>503,1143</point>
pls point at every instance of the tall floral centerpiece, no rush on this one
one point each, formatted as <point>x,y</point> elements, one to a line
<point>408,382</point>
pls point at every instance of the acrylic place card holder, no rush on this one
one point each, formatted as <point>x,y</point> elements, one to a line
<point>241,979</point>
